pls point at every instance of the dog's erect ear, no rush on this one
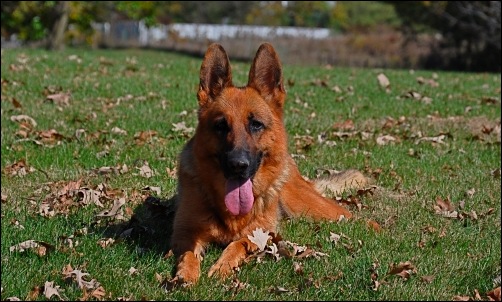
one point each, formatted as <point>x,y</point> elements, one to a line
<point>265,75</point>
<point>215,74</point>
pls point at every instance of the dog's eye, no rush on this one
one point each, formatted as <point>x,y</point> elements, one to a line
<point>256,126</point>
<point>221,125</point>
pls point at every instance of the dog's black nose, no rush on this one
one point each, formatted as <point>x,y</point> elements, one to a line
<point>238,162</point>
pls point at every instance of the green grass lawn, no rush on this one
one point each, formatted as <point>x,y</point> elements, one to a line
<point>102,122</point>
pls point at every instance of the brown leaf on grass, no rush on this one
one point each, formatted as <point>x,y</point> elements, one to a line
<point>298,268</point>
<point>375,285</point>
<point>427,279</point>
<point>403,269</point>
<point>350,200</point>
<point>115,212</point>
<point>303,143</point>
<point>23,118</point>
<point>117,130</point>
<point>461,298</point>
<point>428,229</point>
<point>59,201</point>
<point>494,294</point>
<point>439,140</point>
<point>373,225</point>
<point>51,290</point>
<point>430,82</point>
<point>384,82</point>
<point>156,190</point>
<point>477,296</point>
<point>278,290</point>
<point>32,294</point>
<point>334,237</point>
<point>39,247</point>
<point>146,171</point>
<point>346,125</point>
<point>182,128</point>
<point>260,238</point>
<point>309,282</point>
<point>332,278</point>
<point>385,140</point>
<point>445,208</point>
<point>144,136</point>
<point>78,276</point>
<point>19,168</point>
<point>132,271</point>
<point>16,103</point>
<point>89,196</point>
<point>98,293</point>
<point>60,99</point>
<point>236,285</point>
<point>445,204</point>
<point>4,198</point>
<point>106,242</point>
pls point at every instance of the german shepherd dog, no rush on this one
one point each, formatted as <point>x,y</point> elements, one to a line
<point>235,173</point>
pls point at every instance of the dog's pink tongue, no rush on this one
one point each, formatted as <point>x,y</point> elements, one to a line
<point>239,196</point>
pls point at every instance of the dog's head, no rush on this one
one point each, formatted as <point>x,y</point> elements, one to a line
<point>239,126</point>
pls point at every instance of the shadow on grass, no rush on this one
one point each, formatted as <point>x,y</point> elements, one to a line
<point>149,228</point>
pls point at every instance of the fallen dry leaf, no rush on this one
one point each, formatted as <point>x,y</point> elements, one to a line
<point>373,225</point>
<point>19,168</point>
<point>78,276</point>
<point>60,99</point>
<point>403,269</point>
<point>260,238</point>
<point>385,140</point>
<point>494,294</point>
<point>144,136</point>
<point>106,242</point>
<point>115,211</point>
<point>23,118</point>
<point>277,290</point>
<point>435,139</point>
<point>89,196</point>
<point>445,204</point>
<point>117,130</point>
<point>146,171</point>
<point>334,237</point>
<point>99,293</point>
<point>51,290</point>
<point>39,247</point>
<point>132,271</point>
<point>383,81</point>
<point>298,268</point>
<point>181,127</point>
<point>236,285</point>
<point>427,279</point>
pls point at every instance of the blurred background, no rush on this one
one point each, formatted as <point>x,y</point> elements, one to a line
<point>447,35</point>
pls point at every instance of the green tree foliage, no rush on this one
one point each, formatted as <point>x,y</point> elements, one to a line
<point>357,15</point>
<point>29,19</point>
<point>34,20</point>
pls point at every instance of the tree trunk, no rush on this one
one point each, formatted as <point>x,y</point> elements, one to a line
<point>56,38</point>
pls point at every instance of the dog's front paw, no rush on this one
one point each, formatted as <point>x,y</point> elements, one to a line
<point>186,277</point>
<point>188,269</point>
<point>223,268</point>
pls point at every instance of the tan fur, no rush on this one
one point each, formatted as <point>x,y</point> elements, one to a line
<point>278,187</point>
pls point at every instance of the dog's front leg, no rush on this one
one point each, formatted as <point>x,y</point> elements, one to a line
<point>232,257</point>
<point>188,268</point>
<point>189,255</point>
